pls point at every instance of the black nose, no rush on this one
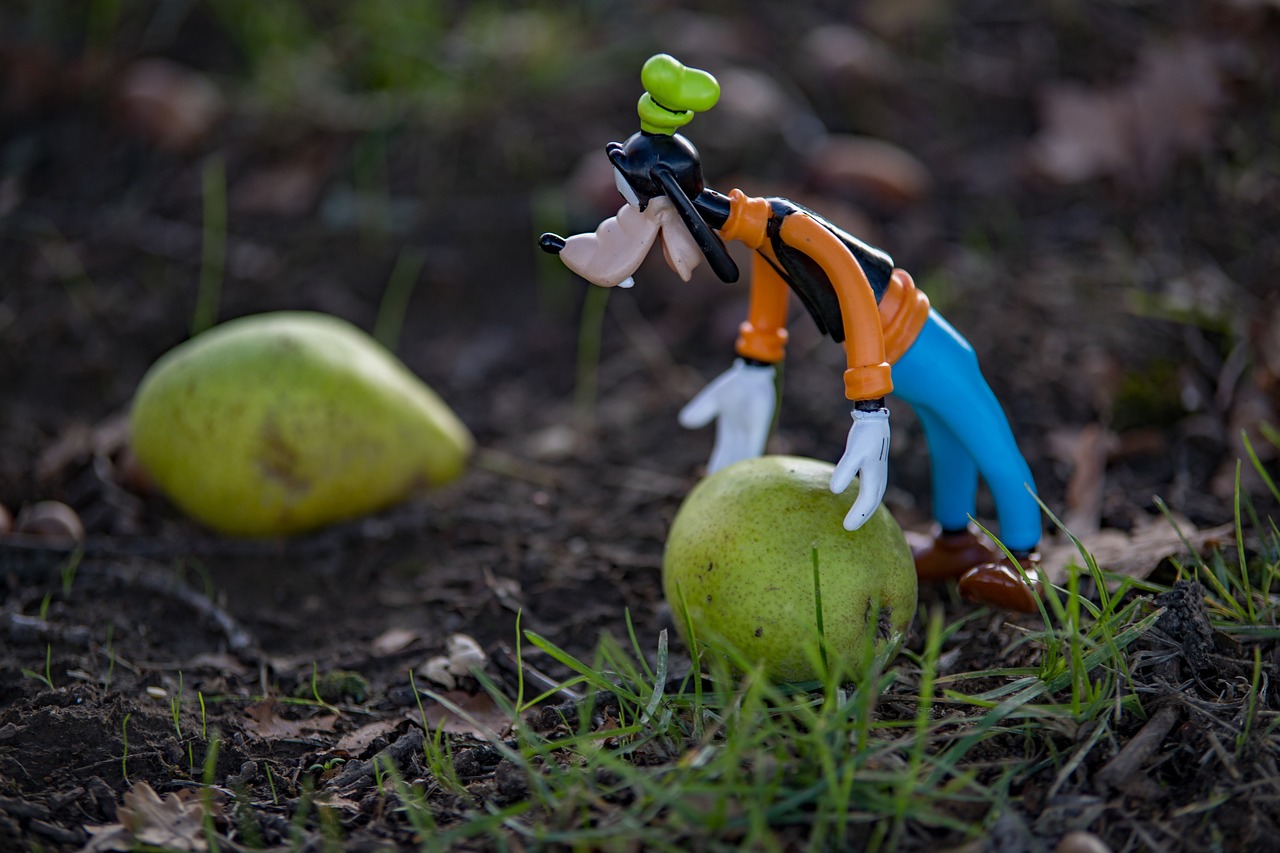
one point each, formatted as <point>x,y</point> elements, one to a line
<point>551,243</point>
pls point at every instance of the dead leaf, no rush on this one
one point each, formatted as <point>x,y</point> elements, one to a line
<point>263,722</point>
<point>173,823</point>
<point>841,55</point>
<point>1086,450</point>
<point>873,169</point>
<point>393,640</point>
<point>79,442</point>
<point>481,717</point>
<point>334,800</point>
<point>1137,552</point>
<point>508,593</point>
<point>756,106</point>
<point>437,669</point>
<point>897,18</point>
<point>29,76</point>
<point>221,662</point>
<point>288,188</point>
<point>1264,335</point>
<point>463,654</point>
<point>1133,131</point>
<point>168,104</point>
<point>356,742</point>
<point>1250,409</point>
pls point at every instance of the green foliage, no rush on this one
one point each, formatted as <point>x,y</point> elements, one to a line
<point>333,686</point>
<point>1147,397</point>
<point>47,677</point>
<point>386,57</point>
<point>213,180</point>
<point>590,334</point>
<point>124,747</point>
<point>725,757</point>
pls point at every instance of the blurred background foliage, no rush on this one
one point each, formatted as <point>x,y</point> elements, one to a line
<point>1088,189</point>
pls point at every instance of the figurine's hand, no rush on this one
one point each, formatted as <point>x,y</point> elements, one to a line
<point>741,401</point>
<point>867,450</point>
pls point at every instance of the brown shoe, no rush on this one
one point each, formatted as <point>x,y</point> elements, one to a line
<point>1001,585</point>
<point>945,556</point>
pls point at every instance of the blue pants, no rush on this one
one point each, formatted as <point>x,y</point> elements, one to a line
<point>968,434</point>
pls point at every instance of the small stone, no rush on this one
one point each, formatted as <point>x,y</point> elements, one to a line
<point>510,782</point>
<point>51,520</point>
<point>465,654</point>
<point>437,669</point>
<point>1080,841</point>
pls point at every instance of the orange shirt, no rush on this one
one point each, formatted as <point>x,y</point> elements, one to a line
<point>875,335</point>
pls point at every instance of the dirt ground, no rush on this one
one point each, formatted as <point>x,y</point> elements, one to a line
<point>1109,251</point>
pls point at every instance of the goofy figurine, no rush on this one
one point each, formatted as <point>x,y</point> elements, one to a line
<point>894,341</point>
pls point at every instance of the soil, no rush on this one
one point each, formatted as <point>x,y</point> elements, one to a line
<point>1136,307</point>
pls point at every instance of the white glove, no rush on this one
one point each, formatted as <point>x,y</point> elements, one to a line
<point>867,450</point>
<point>741,401</point>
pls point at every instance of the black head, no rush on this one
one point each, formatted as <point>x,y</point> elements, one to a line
<point>655,164</point>
<point>640,156</point>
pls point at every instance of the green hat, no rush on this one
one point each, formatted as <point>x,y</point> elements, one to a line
<point>673,93</point>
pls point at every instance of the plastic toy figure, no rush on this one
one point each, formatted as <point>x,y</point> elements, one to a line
<point>893,340</point>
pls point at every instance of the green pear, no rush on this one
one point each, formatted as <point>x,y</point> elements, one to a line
<point>739,563</point>
<point>279,423</point>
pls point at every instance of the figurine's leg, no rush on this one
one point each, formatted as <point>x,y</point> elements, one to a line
<point>955,545</point>
<point>953,472</point>
<point>939,373</point>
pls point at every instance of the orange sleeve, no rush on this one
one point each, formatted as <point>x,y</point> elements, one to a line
<point>763,336</point>
<point>868,375</point>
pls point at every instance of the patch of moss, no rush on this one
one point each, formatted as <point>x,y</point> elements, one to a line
<point>335,686</point>
<point>1151,396</point>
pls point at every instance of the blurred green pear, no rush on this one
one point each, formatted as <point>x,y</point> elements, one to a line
<point>739,561</point>
<point>279,423</point>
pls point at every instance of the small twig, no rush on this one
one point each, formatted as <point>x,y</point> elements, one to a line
<point>508,465</point>
<point>399,752</point>
<point>505,659</point>
<point>30,629</point>
<point>239,640</point>
<point>1216,747</point>
<point>1140,747</point>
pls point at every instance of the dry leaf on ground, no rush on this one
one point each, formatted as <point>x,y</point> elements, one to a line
<point>480,717</point>
<point>874,169</point>
<point>1133,131</point>
<point>1086,450</point>
<point>287,188</point>
<point>393,640</point>
<point>168,104</point>
<point>262,721</point>
<point>147,821</point>
<point>359,740</point>
<point>462,655</point>
<point>1137,552</point>
<point>841,55</point>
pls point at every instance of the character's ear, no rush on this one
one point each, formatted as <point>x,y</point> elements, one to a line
<point>708,241</point>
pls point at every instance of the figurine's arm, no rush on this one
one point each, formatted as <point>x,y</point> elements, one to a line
<point>762,337</point>
<point>742,399</point>
<point>868,377</point>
